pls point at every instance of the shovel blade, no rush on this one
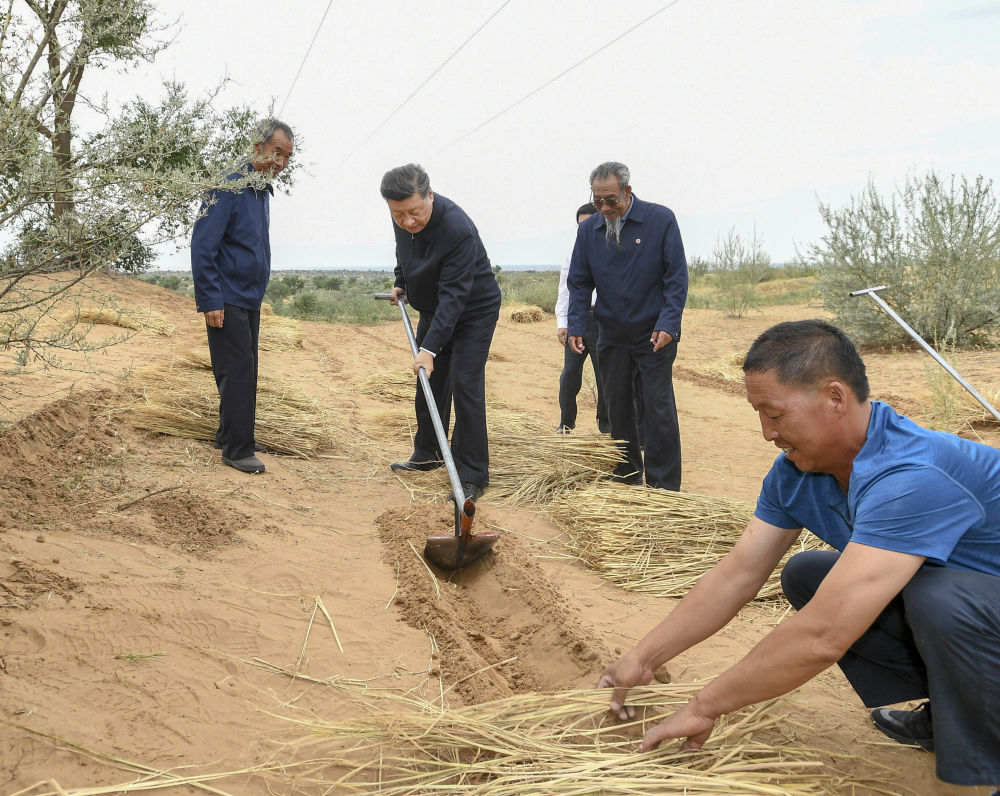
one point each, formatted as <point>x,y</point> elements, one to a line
<point>454,552</point>
<point>462,547</point>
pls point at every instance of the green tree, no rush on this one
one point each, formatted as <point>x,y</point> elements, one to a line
<point>75,200</point>
<point>934,243</point>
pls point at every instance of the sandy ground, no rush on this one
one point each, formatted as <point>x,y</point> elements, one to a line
<point>151,598</point>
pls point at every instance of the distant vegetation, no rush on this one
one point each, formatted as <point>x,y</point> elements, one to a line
<point>345,296</point>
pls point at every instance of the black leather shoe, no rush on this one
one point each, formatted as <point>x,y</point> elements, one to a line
<point>423,466</point>
<point>472,492</point>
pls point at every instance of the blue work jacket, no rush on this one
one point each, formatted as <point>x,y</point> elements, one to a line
<point>231,247</point>
<point>641,287</point>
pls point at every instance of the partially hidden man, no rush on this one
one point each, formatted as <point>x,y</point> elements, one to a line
<point>231,265</point>
<point>444,271</point>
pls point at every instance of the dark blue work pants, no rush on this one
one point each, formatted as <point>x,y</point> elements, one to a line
<point>459,376</point>
<point>939,639</point>
<point>233,349</point>
<point>619,365</point>
<point>572,377</point>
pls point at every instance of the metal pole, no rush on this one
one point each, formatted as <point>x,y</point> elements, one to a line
<point>871,291</point>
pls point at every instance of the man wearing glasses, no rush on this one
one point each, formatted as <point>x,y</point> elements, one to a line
<point>632,253</point>
<point>231,265</point>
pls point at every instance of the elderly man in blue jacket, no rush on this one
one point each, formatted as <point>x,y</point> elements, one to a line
<point>231,265</point>
<point>443,270</point>
<point>632,253</point>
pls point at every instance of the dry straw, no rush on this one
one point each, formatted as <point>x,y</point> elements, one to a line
<point>280,334</point>
<point>653,540</point>
<point>567,743</point>
<point>529,462</point>
<point>136,319</point>
<point>181,399</point>
<point>388,385</point>
<point>525,313</point>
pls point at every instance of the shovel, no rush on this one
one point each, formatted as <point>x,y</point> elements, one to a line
<point>872,293</point>
<point>464,547</point>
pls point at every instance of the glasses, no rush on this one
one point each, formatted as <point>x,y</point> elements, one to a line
<point>610,201</point>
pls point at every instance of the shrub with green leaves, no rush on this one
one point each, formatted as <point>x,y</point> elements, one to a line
<point>740,266</point>
<point>934,244</point>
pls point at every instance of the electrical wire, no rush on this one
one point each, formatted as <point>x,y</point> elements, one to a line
<point>305,57</point>
<point>552,80</point>
<point>427,80</point>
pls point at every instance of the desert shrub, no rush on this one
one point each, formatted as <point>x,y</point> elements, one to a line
<point>305,306</point>
<point>740,266</point>
<point>697,268</point>
<point>537,288</point>
<point>934,243</point>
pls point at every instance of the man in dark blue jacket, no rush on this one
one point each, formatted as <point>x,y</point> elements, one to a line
<point>444,272</point>
<point>231,264</point>
<point>633,254</point>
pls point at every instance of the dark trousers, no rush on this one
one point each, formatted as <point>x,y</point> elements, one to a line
<point>619,365</point>
<point>572,377</point>
<point>459,376</point>
<point>233,349</point>
<point>939,639</point>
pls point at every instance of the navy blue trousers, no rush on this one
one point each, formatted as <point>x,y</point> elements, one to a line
<point>233,349</point>
<point>939,639</point>
<point>625,369</point>
<point>572,377</point>
<point>459,377</point>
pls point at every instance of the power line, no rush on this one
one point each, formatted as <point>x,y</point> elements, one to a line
<point>413,93</point>
<point>304,57</point>
<point>552,80</point>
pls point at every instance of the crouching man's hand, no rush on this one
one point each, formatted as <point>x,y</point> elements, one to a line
<point>688,722</point>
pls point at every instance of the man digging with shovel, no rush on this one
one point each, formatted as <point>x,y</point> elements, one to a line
<point>443,271</point>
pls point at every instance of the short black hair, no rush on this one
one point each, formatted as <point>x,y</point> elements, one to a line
<point>403,181</point>
<point>802,353</point>
<point>585,210</point>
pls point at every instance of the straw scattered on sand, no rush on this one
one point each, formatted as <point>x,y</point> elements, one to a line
<point>567,743</point>
<point>181,399</point>
<point>524,745</point>
<point>529,462</point>
<point>279,334</point>
<point>653,540</point>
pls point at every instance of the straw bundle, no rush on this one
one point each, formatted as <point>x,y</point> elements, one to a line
<point>182,400</point>
<point>559,744</point>
<point>388,385</point>
<point>529,462</point>
<point>138,320</point>
<point>525,313</point>
<point>279,334</point>
<point>653,540</point>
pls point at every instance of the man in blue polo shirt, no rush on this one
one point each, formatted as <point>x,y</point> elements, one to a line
<point>231,265</point>
<point>632,253</point>
<point>908,603</point>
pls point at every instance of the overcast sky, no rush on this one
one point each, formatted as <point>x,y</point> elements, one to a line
<point>734,114</point>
